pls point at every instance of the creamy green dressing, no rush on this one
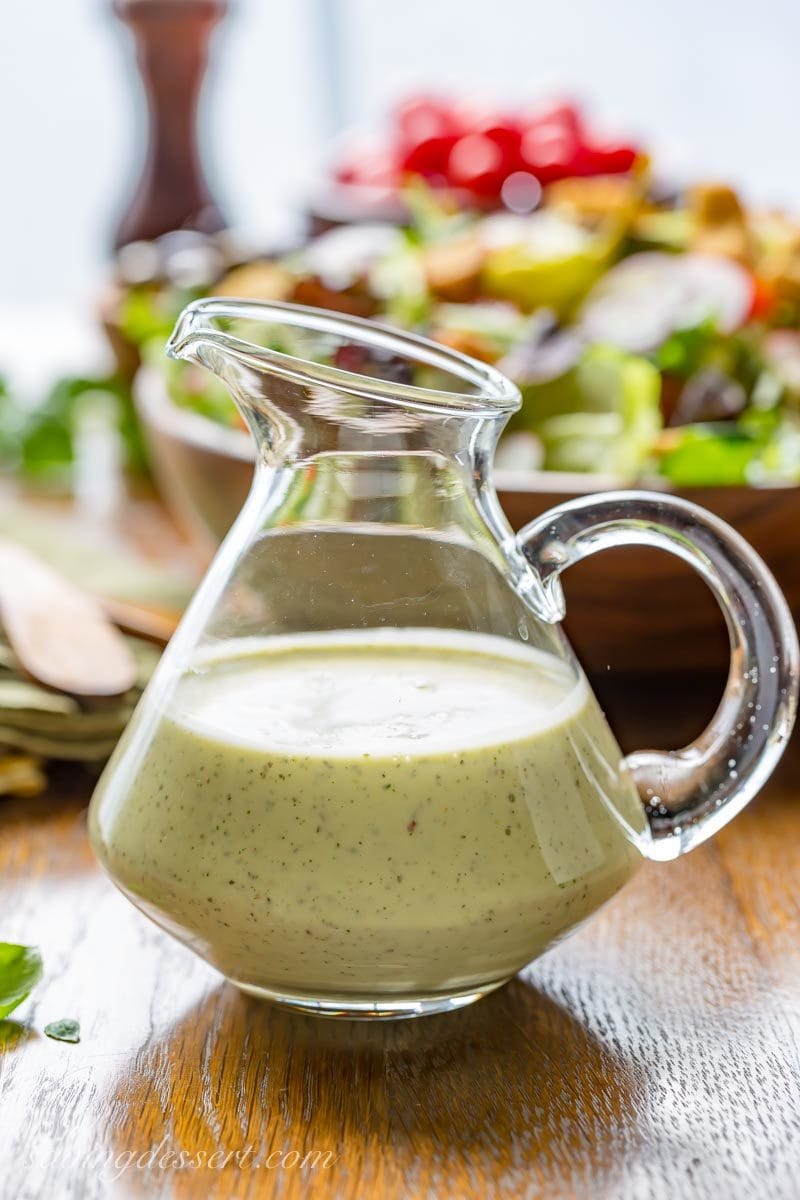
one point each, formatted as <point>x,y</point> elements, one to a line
<point>368,813</point>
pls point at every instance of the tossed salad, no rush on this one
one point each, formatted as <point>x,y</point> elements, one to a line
<point>646,339</point>
<point>651,335</point>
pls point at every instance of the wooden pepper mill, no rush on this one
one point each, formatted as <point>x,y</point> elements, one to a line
<point>172,42</point>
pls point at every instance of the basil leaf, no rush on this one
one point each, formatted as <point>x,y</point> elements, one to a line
<point>20,971</point>
<point>65,1030</point>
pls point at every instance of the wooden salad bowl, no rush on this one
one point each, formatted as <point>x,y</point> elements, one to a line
<point>632,609</point>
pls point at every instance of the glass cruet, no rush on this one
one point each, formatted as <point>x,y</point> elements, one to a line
<point>368,777</point>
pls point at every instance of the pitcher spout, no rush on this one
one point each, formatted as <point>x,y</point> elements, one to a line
<point>309,382</point>
<point>187,336</point>
<point>352,355</point>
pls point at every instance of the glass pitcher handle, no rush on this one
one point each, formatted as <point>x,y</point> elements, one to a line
<point>691,793</point>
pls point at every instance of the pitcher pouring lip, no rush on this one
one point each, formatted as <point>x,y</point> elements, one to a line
<point>300,405</point>
<point>479,390</point>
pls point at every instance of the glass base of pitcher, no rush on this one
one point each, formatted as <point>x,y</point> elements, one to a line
<point>383,1008</point>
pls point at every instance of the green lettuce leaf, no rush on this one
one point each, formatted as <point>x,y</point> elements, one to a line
<point>759,448</point>
<point>65,1030</point>
<point>710,455</point>
<point>20,971</point>
<point>604,415</point>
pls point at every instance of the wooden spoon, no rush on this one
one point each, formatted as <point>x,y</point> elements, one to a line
<point>156,627</point>
<point>60,635</point>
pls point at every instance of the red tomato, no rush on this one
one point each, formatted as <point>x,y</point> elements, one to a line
<point>469,111</point>
<point>421,118</point>
<point>506,135</point>
<point>477,163</point>
<point>549,151</point>
<point>429,157</point>
<point>481,119</point>
<point>763,300</point>
<point>604,159</point>
<point>557,112</point>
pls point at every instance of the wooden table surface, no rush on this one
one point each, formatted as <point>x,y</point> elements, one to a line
<point>653,1054</point>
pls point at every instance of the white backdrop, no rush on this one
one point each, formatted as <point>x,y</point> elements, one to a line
<point>715,84</point>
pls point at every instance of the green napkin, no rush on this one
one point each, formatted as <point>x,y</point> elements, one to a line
<point>47,724</point>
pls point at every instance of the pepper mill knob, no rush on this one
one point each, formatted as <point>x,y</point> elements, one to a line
<point>172,42</point>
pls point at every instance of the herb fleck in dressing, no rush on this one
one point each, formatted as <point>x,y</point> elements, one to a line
<point>372,812</point>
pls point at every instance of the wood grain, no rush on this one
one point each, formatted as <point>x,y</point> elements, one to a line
<point>652,1055</point>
